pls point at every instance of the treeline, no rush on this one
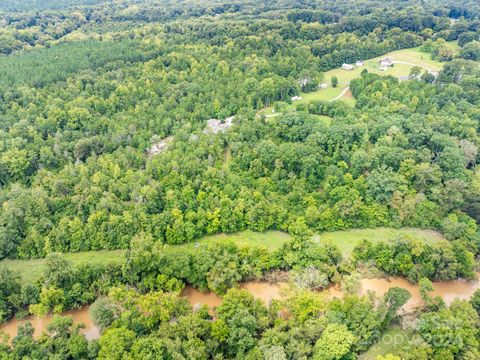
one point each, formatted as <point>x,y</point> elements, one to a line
<point>405,157</point>
<point>56,63</point>
<point>151,266</point>
<point>75,175</point>
<point>161,324</point>
<point>29,5</point>
<point>414,261</point>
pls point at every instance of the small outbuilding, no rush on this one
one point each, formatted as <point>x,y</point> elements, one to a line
<point>359,63</point>
<point>347,67</point>
<point>296,97</point>
<point>323,85</point>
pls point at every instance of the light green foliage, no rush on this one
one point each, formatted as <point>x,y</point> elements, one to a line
<point>305,305</point>
<point>103,312</point>
<point>51,300</point>
<point>425,288</point>
<point>351,283</point>
<point>115,344</point>
<point>388,357</point>
<point>334,344</point>
<point>346,240</point>
<point>451,332</point>
<point>108,143</point>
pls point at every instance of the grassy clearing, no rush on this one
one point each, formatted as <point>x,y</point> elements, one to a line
<point>413,55</point>
<point>347,240</point>
<point>327,120</point>
<point>392,341</point>
<point>272,240</point>
<point>227,156</point>
<point>31,270</point>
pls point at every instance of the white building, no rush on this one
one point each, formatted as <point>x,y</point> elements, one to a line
<point>323,85</point>
<point>386,62</point>
<point>359,63</point>
<point>294,98</point>
<point>214,126</point>
<point>159,146</point>
<point>347,67</point>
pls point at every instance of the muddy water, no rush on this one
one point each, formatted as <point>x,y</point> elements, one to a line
<point>448,290</point>
<point>196,297</point>
<point>40,324</point>
<point>265,291</point>
<point>262,291</point>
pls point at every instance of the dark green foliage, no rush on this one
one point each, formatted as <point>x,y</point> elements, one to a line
<point>408,258</point>
<point>9,290</point>
<point>25,5</point>
<point>78,147</point>
<point>86,93</point>
<point>43,66</point>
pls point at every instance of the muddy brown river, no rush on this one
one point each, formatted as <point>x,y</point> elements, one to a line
<point>40,324</point>
<point>448,290</point>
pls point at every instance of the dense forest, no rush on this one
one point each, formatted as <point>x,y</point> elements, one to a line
<point>107,143</point>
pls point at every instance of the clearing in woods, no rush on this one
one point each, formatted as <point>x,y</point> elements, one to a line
<point>31,270</point>
<point>407,58</point>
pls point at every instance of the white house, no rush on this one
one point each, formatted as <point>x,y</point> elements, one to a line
<point>323,85</point>
<point>347,67</point>
<point>386,62</point>
<point>214,126</point>
<point>359,63</point>
<point>294,98</point>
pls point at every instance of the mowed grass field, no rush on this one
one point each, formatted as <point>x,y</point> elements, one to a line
<point>347,240</point>
<point>412,55</point>
<point>272,240</point>
<point>31,270</point>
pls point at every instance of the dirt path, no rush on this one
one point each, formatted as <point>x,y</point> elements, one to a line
<point>272,115</point>
<point>431,71</point>
<point>341,94</point>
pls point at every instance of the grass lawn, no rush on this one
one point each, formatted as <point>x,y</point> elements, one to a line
<point>272,240</point>
<point>412,55</point>
<point>392,342</point>
<point>227,156</point>
<point>346,240</point>
<point>327,120</point>
<point>30,270</point>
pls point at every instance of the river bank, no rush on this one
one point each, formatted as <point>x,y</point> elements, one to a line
<point>448,290</point>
